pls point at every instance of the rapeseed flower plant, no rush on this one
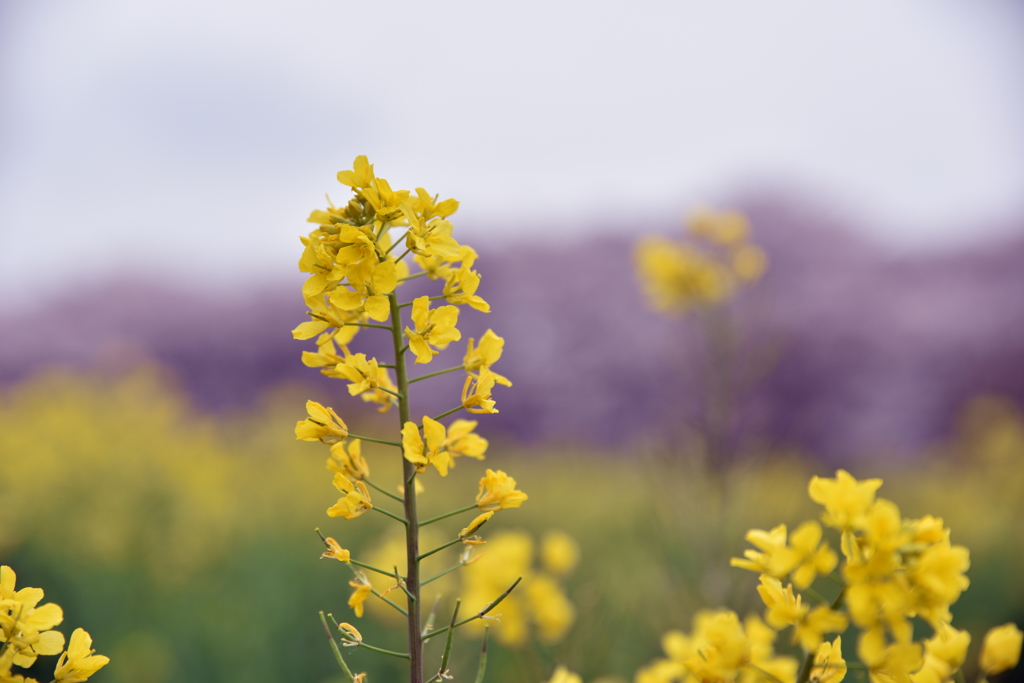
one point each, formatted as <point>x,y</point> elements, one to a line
<point>356,268</point>
<point>893,570</point>
<point>26,633</point>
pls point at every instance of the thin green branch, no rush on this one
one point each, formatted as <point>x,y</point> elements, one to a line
<point>439,372</point>
<point>367,438</point>
<point>413,276</point>
<point>388,391</point>
<point>369,566</point>
<point>382,327</point>
<point>395,244</point>
<point>481,614</point>
<point>448,642</point>
<point>483,657</point>
<point>392,515</point>
<point>438,576</point>
<point>438,549</point>
<point>392,653</point>
<point>447,413</point>
<point>337,652</point>
<point>385,599</point>
<point>384,491</point>
<point>433,298</point>
<point>448,514</point>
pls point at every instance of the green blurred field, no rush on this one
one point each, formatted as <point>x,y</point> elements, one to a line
<point>184,543</point>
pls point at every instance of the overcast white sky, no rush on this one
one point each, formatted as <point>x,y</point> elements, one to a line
<point>190,138</point>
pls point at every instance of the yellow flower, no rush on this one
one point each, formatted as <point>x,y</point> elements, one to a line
<point>784,608</point>
<point>428,207</point>
<point>944,653</point>
<point>25,626</point>
<point>370,289</point>
<point>725,228</point>
<point>360,176</point>
<point>432,237</point>
<point>677,277</point>
<point>765,562</point>
<point>725,650</point>
<point>552,611</point>
<point>362,374</point>
<point>462,284</point>
<point>387,203</point>
<point>485,355</point>
<point>829,665</point>
<point>362,591</point>
<point>335,551</point>
<point>355,502</point>
<point>845,499</point>
<point>1000,650</point>
<point>888,663</point>
<point>476,392</point>
<point>433,328</point>
<point>323,424</point>
<point>563,675</point>
<point>475,525</point>
<point>430,453</point>
<point>462,440</point>
<point>79,662</point>
<point>938,576</point>
<point>497,492</point>
<point>559,553</point>
<point>804,557</point>
<point>348,461</point>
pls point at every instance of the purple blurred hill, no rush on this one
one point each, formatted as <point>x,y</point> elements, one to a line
<point>858,350</point>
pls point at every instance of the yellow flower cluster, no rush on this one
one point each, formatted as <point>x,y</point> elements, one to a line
<point>542,602</point>
<point>25,633</point>
<point>893,570</point>
<point>678,277</point>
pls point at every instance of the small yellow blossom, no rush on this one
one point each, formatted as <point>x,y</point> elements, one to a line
<point>678,277</point>
<point>552,611</point>
<point>361,175</point>
<point>888,662</point>
<point>348,460</point>
<point>806,556</point>
<point>335,551</point>
<point>563,675</point>
<point>845,499</point>
<point>477,522</point>
<point>476,392</point>
<point>498,492</point>
<point>829,665</point>
<point>725,650</point>
<point>725,228</point>
<point>362,591</point>
<point>79,662</point>
<point>1000,649</point>
<point>356,500</point>
<point>430,451</point>
<point>433,328</point>
<point>431,237</point>
<point>323,424</point>
<point>944,653</point>
<point>771,543</point>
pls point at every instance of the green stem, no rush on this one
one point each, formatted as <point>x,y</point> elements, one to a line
<point>385,599</point>
<point>447,515</point>
<point>382,327</point>
<point>483,658</point>
<point>367,438</point>
<point>337,652</point>
<point>384,491</point>
<point>369,566</point>
<point>815,595</point>
<point>412,277</point>
<point>412,529</point>
<point>401,655</point>
<point>447,413</point>
<point>439,372</point>
<point>439,549</point>
<point>395,244</point>
<point>448,643</point>
<point>392,516</point>
<point>438,576</point>
<point>480,614</point>
<point>388,391</point>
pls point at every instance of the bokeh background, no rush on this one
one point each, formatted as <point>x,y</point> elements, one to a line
<point>158,162</point>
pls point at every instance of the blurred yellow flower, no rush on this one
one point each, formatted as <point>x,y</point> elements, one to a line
<point>559,553</point>
<point>362,591</point>
<point>829,665</point>
<point>563,675</point>
<point>845,499</point>
<point>1000,649</point>
<point>944,653</point>
<point>348,460</point>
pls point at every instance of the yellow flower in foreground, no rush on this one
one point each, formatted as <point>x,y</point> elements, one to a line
<point>497,492</point>
<point>806,556</point>
<point>1000,650</point>
<point>355,502</point>
<point>944,653</point>
<point>79,662</point>
<point>430,452</point>
<point>433,328</point>
<point>563,675</point>
<point>323,424</point>
<point>888,663</point>
<point>829,665</point>
<point>360,176</point>
<point>486,354</point>
<point>726,649</point>
<point>362,591</point>
<point>765,562</point>
<point>845,499</point>
<point>335,551</point>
